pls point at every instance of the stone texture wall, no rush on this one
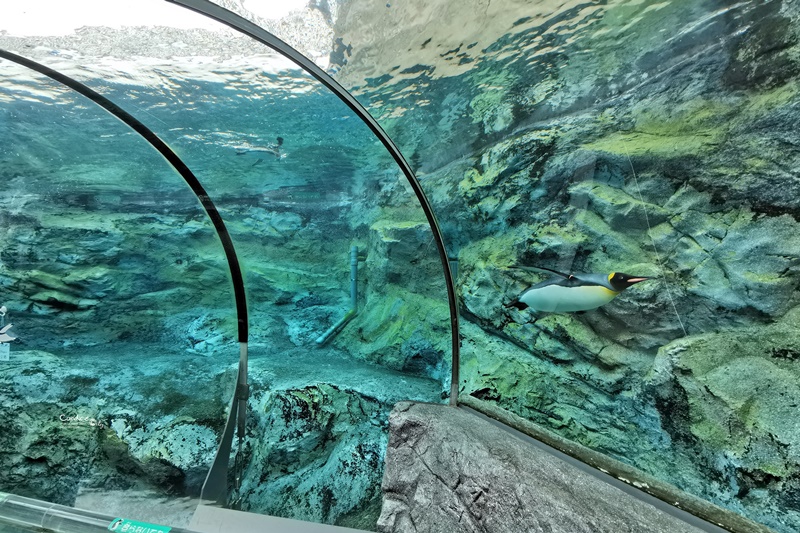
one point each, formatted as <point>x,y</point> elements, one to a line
<point>650,138</point>
<point>448,470</point>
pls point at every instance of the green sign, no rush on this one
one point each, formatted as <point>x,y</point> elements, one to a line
<point>123,525</point>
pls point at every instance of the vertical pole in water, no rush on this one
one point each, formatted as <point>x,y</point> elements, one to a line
<point>354,277</point>
<point>336,328</point>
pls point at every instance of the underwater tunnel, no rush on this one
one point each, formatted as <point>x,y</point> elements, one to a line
<point>420,266</point>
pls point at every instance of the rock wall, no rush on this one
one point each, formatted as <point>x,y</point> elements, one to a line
<point>649,138</point>
<point>149,428</point>
<point>652,138</point>
<point>317,456</point>
<point>126,428</point>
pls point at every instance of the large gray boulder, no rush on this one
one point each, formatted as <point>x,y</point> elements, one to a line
<point>449,470</point>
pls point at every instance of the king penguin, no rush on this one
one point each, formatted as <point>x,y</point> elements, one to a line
<point>569,293</point>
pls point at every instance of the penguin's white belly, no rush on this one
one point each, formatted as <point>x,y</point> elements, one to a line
<point>558,299</point>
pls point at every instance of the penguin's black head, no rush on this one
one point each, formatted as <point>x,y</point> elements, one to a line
<point>620,281</point>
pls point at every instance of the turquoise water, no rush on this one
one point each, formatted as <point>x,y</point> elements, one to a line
<point>120,295</point>
<point>655,139</point>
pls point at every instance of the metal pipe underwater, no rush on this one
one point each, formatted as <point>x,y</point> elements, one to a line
<point>28,514</point>
<point>336,328</point>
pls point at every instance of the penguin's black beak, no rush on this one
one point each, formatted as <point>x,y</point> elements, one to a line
<point>620,281</point>
<point>626,280</point>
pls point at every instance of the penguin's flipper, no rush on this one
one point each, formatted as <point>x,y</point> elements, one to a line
<point>516,304</point>
<point>543,269</point>
<point>556,272</point>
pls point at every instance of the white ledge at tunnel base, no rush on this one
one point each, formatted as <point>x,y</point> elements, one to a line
<point>211,519</point>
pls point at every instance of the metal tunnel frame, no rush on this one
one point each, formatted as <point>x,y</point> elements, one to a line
<point>220,14</point>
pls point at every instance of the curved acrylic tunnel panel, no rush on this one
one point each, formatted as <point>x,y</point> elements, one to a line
<point>642,137</point>
<point>300,183</point>
<point>650,138</point>
<point>113,279</point>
